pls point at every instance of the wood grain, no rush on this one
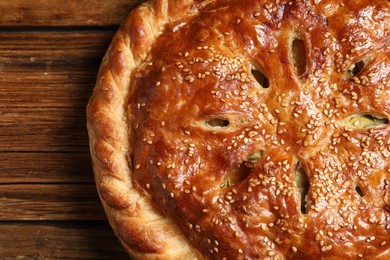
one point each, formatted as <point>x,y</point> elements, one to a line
<point>56,69</point>
<point>58,240</point>
<point>41,138</point>
<point>49,202</point>
<point>61,90</point>
<point>33,168</point>
<point>34,47</point>
<point>50,52</point>
<point>65,13</point>
<point>43,129</point>
<point>62,116</point>
<point>45,84</point>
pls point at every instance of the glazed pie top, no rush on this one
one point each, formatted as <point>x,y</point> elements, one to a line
<point>247,129</point>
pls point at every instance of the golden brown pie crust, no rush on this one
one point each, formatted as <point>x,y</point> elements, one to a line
<point>246,130</point>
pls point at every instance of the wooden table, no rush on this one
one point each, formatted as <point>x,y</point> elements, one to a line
<point>50,51</point>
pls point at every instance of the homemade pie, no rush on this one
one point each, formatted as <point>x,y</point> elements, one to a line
<point>244,129</point>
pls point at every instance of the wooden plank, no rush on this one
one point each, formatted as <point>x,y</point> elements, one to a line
<point>64,94</point>
<point>43,138</point>
<point>59,240</point>
<point>54,84</point>
<point>50,69</point>
<point>51,116</point>
<point>33,47</point>
<point>53,80</point>
<point>43,129</point>
<point>50,202</point>
<point>65,13</point>
<point>22,167</point>
<point>50,52</point>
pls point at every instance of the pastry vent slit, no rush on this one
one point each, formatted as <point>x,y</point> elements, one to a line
<point>217,122</point>
<point>359,191</point>
<point>303,183</point>
<point>355,69</point>
<point>365,120</point>
<point>260,77</point>
<point>298,54</point>
<point>243,170</point>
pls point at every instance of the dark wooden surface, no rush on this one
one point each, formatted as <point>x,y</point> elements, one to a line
<point>50,51</point>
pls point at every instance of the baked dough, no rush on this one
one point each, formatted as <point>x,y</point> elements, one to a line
<point>246,129</point>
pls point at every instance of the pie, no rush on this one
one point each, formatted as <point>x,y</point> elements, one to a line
<point>244,129</point>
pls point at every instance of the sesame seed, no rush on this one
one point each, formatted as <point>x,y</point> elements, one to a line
<point>189,78</point>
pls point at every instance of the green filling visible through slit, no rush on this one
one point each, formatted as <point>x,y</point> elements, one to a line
<point>365,121</point>
<point>303,184</point>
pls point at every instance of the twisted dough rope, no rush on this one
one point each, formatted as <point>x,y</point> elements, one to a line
<point>141,229</point>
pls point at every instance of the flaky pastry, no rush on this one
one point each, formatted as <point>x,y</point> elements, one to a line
<point>246,129</point>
